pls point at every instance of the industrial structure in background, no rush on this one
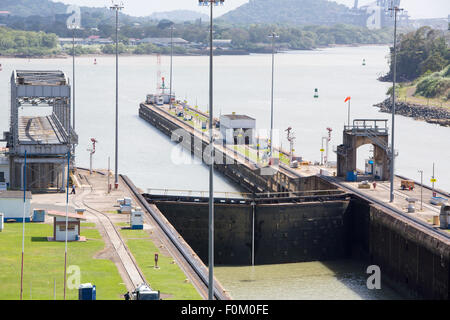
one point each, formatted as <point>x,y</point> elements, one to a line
<point>376,15</point>
<point>40,126</point>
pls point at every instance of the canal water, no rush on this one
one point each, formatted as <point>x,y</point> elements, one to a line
<point>333,280</point>
<point>242,85</point>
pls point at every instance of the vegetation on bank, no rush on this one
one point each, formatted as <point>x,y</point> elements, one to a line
<point>25,43</point>
<point>418,53</point>
<point>431,89</point>
<point>434,85</point>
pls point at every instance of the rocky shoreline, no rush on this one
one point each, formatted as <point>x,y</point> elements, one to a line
<point>435,115</point>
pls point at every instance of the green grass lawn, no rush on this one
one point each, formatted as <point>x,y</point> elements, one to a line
<point>169,278</point>
<point>44,263</point>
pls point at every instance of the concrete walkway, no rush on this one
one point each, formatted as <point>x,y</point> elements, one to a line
<point>98,203</point>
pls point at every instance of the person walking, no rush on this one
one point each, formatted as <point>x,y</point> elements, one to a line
<point>73,189</point>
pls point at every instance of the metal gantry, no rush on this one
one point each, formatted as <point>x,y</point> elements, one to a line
<point>46,137</point>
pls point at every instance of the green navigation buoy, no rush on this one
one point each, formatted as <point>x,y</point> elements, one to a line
<point>316,93</point>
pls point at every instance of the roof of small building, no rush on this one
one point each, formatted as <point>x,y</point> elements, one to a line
<point>238,117</point>
<point>63,214</point>
<point>10,194</point>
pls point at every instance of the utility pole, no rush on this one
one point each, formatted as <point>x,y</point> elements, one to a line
<point>67,222</point>
<point>211,4</point>
<point>322,150</point>
<point>421,189</point>
<point>273,36</point>
<point>433,180</point>
<point>117,8</point>
<point>171,65</point>
<point>23,223</point>
<point>395,9</point>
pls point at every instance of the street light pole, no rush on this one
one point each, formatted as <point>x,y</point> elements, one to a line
<point>395,9</point>
<point>421,189</point>
<point>273,36</point>
<point>211,3</point>
<point>171,65</point>
<point>117,8</point>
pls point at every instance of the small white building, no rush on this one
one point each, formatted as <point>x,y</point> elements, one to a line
<point>59,226</point>
<point>237,129</point>
<point>11,204</point>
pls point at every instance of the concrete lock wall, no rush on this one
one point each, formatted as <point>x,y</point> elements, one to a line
<point>409,257</point>
<point>282,233</point>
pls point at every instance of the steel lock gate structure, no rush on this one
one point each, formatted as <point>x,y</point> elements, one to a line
<point>47,139</point>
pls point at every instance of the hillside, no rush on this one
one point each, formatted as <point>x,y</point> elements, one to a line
<point>290,12</point>
<point>25,8</point>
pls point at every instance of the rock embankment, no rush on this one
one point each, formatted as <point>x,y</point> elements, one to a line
<point>436,115</point>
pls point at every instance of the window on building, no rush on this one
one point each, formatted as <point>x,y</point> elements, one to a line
<point>2,177</point>
<point>70,227</point>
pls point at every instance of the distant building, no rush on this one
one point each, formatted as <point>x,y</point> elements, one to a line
<point>163,42</point>
<point>59,226</point>
<point>222,43</point>
<point>11,205</point>
<point>237,129</point>
<point>78,41</point>
<point>99,41</point>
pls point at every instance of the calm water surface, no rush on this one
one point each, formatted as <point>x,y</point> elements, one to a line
<point>334,280</point>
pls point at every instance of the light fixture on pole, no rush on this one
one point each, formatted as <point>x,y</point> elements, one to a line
<point>273,35</point>
<point>394,9</point>
<point>211,3</point>
<point>117,8</point>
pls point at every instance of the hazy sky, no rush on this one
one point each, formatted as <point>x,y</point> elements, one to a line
<point>416,8</point>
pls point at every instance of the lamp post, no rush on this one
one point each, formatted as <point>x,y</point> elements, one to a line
<point>421,189</point>
<point>117,8</point>
<point>273,35</point>
<point>211,3</point>
<point>171,65</point>
<point>395,9</point>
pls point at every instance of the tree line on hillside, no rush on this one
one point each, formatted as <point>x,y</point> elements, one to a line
<point>24,43</point>
<point>418,53</point>
<point>252,38</point>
